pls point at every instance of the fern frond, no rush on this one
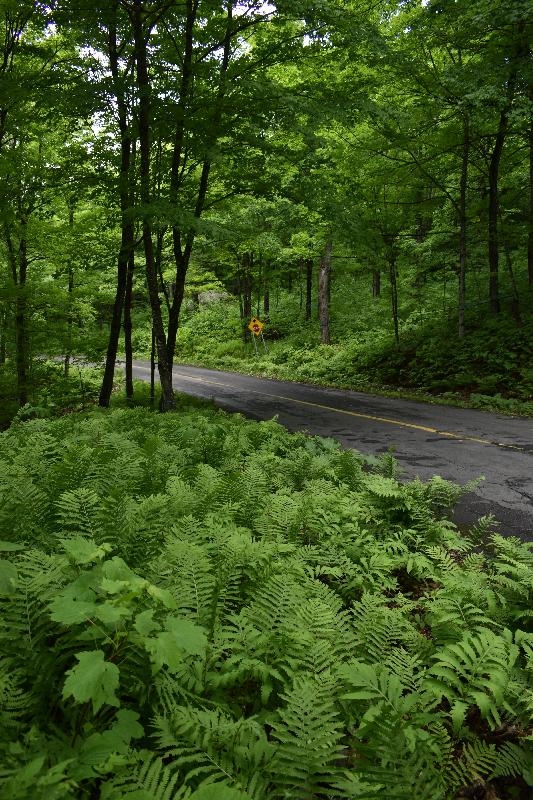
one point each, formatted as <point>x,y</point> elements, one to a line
<point>308,733</point>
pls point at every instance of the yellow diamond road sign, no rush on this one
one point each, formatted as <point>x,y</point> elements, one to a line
<point>256,326</point>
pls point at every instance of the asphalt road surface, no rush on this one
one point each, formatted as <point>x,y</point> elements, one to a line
<point>457,444</point>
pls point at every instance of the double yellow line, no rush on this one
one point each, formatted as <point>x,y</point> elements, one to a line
<point>449,434</point>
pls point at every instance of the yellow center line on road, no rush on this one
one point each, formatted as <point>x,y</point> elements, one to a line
<point>388,420</point>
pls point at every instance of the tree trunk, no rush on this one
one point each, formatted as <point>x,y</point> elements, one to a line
<point>20,326</point>
<point>152,369</point>
<point>3,324</point>
<point>266,294</point>
<point>66,364</point>
<point>494,199</point>
<point>308,287</point>
<point>165,372</point>
<point>19,270</point>
<point>530,234</point>
<point>247,262</point>
<point>128,326</point>
<point>323,293</point>
<point>183,251</point>
<point>394,293</point>
<point>463,226</point>
<point>127,227</point>
<point>376,283</point>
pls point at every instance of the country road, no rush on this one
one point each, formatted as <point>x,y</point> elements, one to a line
<point>457,444</point>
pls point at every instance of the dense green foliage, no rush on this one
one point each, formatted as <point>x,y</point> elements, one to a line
<point>51,391</point>
<point>198,606</point>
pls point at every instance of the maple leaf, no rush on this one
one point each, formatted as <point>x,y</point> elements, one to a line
<point>93,679</point>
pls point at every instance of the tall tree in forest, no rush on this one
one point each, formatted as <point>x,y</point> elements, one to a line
<point>119,54</point>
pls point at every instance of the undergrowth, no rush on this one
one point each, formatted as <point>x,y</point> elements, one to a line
<point>199,606</point>
<point>50,391</point>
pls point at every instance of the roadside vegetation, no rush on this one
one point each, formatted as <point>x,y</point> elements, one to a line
<point>198,606</point>
<point>490,369</point>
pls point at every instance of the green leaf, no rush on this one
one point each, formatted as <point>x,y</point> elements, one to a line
<point>69,611</point>
<point>8,577</point>
<point>100,746</point>
<point>145,624</point>
<point>85,551</point>
<point>457,714</point>
<point>93,679</point>
<point>180,638</point>
<point>10,547</point>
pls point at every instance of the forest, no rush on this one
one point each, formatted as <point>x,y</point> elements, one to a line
<point>196,606</point>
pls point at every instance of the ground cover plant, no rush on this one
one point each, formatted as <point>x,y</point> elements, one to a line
<point>52,390</point>
<point>199,606</point>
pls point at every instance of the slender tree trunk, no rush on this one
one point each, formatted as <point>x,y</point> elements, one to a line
<point>463,226</point>
<point>19,270</point>
<point>238,289</point>
<point>66,365</point>
<point>21,332</point>
<point>259,282</point>
<point>308,287</point>
<point>494,199</point>
<point>323,293</point>
<point>376,283</point>
<point>183,250</point>
<point>515,296</point>
<point>127,226</point>
<point>152,368</point>
<point>530,234</point>
<point>165,372</point>
<point>128,326</point>
<point>248,260</point>
<point>3,324</point>
<point>266,292</point>
<point>394,291</point>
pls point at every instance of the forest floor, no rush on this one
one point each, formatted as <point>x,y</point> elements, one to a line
<point>458,444</point>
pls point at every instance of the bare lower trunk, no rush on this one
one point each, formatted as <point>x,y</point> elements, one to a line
<point>152,369</point>
<point>246,284</point>
<point>165,372</point>
<point>128,326</point>
<point>494,199</point>
<point>127,228</point>
<point>515,296</point>
<point>66,363</point>
<point>394,295</point>
<point>463,227</point>
<point>308,287</point>
<point>376,283</point>
<point>323,293</point>
<point>21,332</point>
<point>3,323</point>
<point>530,235</point>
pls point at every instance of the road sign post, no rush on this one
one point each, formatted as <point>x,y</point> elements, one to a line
<point>256,327</point>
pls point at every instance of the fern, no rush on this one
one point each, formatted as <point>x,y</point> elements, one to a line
<point>274,620</point>
<point>147,779</point>
<point>474,671</point>
<point>308,734</point>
